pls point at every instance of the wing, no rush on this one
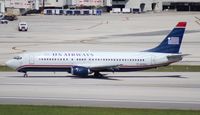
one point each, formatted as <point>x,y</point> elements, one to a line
<point>106,67</point>
<point>102,67</point>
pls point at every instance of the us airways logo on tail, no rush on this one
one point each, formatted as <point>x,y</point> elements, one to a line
<point>173,40</point>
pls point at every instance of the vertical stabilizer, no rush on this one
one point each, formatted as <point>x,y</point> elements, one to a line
<point>171,43</point>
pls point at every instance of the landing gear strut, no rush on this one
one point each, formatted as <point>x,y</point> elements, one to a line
<point>97,74</point>
<point>25,74</point>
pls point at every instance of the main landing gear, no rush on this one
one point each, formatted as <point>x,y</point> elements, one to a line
<point>25,74</point>
<point>98,74</point>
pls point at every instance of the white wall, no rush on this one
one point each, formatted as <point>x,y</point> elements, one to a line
<point>86,3</point>
<point>53,3</point>
<point>18,4</point>
<point>107,2</point>
<point>133,4</point>
<point>36,4</point>
<point>2,7</point>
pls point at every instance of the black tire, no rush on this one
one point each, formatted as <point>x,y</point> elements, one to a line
<point>98,75</point>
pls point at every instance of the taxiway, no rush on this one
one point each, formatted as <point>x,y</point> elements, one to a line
<point>163,90</point>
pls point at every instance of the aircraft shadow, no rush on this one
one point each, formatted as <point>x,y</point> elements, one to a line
<point>104,77</point>
<point>94,77</point>
<point>73,77</point>
<point>160,76</point>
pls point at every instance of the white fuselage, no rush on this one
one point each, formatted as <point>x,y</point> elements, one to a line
<point>121,61</point>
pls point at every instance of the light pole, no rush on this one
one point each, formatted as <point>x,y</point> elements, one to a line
<point>43,5</point>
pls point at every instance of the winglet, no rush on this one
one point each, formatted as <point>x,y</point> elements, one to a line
<point>181,25</point>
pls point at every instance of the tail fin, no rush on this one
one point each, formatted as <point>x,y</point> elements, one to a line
<point>172,43</point>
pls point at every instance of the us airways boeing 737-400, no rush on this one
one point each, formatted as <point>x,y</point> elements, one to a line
<point>86,63</point>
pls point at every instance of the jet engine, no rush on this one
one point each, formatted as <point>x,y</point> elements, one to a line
<point>80,71</point>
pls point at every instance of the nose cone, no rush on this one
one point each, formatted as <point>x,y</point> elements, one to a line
<point>11,64</point>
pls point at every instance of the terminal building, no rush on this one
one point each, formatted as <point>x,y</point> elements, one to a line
<point>181,5</point>
<point>52,3</point>
<point>70,3</point>
<point>15,6</point>
<point>141,5</point>
<point>158,5</point>
<point>85,2</point>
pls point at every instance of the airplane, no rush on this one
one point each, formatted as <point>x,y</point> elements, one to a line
<point>83,64</point>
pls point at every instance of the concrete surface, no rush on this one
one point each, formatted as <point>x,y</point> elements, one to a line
<point>109,32</point>
<point>166,90</point>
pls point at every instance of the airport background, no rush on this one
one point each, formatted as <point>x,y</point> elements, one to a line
<point>108,32</point>
<point>21,6</point>
<point>151,10</point>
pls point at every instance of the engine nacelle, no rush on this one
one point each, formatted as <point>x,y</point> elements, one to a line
<point>80,71</point>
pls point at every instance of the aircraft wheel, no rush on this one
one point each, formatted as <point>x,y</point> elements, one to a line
<point>25,75</point>
<point>97,74</point>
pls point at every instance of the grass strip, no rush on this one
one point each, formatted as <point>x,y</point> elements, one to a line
<point>5,68</point>
<point>61,110</point>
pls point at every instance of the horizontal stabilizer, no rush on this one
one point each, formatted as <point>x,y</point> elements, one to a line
<point>176,57</point>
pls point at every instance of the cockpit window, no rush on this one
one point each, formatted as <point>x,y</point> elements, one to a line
<point>17,58</point>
